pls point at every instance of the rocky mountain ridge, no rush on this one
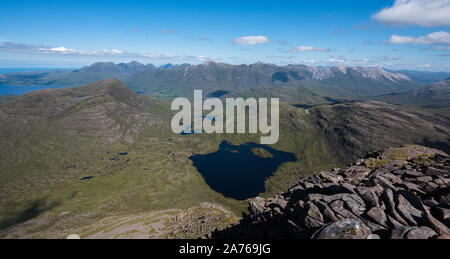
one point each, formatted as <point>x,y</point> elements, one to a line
<point>318,73</point>
<point>212,77</point>
<point>398,193</point>
<point>170,81</point>
<point>109,67</point>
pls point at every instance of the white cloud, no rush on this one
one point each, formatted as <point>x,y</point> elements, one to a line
<point>336,60</point>
<point>425,13</point>
<point>310,61</point>
<point>308,48</point>
<point>112,52</point>
<point>251,40</point>
<point>167,57</point>
<point>61,50</point>
<point>64,51</point>
<point>19,47</point>
<point>396,39</point>
<point>40,49</point>
<point>440,37</point>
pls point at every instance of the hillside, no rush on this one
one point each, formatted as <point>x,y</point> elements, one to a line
<point>300,96</point>
<point>73,157</point>
<point>435,96</point>
<point>354,128</point>
<point>98,159</point>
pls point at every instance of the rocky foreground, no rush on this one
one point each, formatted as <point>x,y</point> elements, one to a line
<point>399,193</point>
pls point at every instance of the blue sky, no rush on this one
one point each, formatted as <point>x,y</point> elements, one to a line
<point>321,33</point>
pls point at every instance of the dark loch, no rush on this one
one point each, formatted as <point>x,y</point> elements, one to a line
<point>236,172</point>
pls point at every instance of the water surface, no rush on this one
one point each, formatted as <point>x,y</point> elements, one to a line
<point>21,90</point>
<point>236,172</point>
<point>10,70</point>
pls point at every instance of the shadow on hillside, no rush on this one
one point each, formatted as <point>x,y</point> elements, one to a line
<point>440,145</point>
<point>33,210</point>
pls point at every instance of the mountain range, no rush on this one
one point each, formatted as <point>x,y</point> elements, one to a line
<point>171,81</point>
<point>211,77</point>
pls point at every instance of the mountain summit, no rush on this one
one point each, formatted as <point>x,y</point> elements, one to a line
<point>122,68</point>
<point>397,193</point>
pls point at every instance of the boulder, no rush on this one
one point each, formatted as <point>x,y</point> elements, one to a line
<point>420,233</point>
<point>256,206</point>
<point>343,229</point>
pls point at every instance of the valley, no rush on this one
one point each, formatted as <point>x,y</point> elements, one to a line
<point>100,160</point>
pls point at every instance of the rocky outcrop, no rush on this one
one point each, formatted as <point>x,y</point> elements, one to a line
<point>399,193</point>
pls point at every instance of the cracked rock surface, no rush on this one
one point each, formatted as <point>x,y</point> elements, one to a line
<point>398,193</point>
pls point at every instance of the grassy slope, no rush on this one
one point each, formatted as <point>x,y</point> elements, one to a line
<point>352,129</point>
<point>434,97</point>
<point>294,95</point>
<point>416,101</point>
<point>43,160</point>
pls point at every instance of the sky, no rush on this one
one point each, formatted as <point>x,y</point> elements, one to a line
<point>400,34</point>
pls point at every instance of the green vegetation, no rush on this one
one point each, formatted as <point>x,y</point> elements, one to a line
<point>419,154</point>
<point>139,172</point>
<point>261,152</point>
<point>434,98</point>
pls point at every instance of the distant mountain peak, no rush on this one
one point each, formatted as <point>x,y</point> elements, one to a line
<point>375,73</point>
<point>209,63</point>
<point>109,68</point>
<point>342,69</point>
<point>134,62</point>
<point>168,65</point>
<point>107,82</point>
<point>110,86</point>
